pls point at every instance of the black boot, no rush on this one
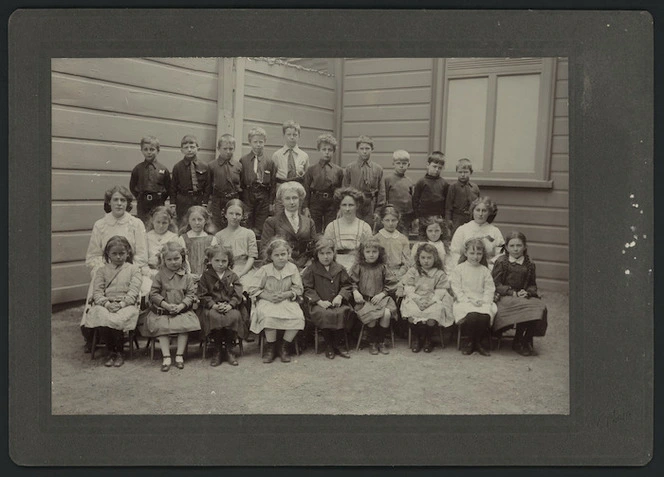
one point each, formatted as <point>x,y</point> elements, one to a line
<point>381,340</point>
<point>415,344</point>
<point>217,356</point>
<point>329,343</point>
<point>372,338</point>
<point>283,352</point>
<point>428,346</point>
<point>269,353</point>
<point>231,358</point>
<point>338,337</point>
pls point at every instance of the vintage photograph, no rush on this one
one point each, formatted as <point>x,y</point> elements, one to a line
<point>340,236</point>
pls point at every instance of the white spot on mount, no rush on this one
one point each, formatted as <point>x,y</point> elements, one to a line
<point>627,272</point>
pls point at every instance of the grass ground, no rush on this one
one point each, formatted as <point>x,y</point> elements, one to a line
<point>442,382</point>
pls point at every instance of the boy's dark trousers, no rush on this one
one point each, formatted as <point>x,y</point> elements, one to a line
<point>148,201</point>
<point>185,200</point>
<point>458,220</point>
<point>366,210</point>
<point>405,224</point>
<point>257,199</point>
<point>322,209</point>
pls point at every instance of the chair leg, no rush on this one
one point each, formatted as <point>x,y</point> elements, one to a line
<point>346,340</point>
<point>241,346</point>
<point>458,336</point>
<point>316,339</point>
<point>359,338</point>
<point>132,337</point>
<point>442,341</point>
<point>95,337</point>
<point>409,336</point>
<point>261,340</point>
<point>392,334</point>
<point>152,340</point>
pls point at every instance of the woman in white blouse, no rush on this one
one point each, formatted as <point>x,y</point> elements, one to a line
<point>348,230</point>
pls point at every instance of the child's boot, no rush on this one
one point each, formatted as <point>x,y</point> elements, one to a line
<point>111,360</point>
<point>119,359</point>
<point>230,346</point>
<point>283,352</point>
<point>381,340</point>
<point>217,357</point>
<point>415,338</point>
<point>372,337</point>
<point>269,353</point>
<point>428,346</point>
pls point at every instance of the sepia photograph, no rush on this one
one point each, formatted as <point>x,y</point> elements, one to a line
<point>331,236</point>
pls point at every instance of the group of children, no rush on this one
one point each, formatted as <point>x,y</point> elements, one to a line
<point>202,280</point>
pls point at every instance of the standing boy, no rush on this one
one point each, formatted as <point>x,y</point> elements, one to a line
<point>150,180</point>
<point>431,190</point>
<point>189,185</point>
<point>258,181</point>
<point>367,177</point>
<point>291,161</point>
<point>399,190</point>
<point>320,182</point>
<point>460,195</point>
<point>225,180</point>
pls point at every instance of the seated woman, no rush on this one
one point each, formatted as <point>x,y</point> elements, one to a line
<point>519,304</point>
<point>348,230</point>
<point>481,209</point>
<point>298,229</point>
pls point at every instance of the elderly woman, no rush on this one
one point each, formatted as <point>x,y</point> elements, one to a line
<point>481,209</point>
<point>118,221</point>
<point>298,229</point>
<point>348,230</point>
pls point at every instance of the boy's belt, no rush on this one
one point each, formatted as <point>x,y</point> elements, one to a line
<point>192,192</point>
<point>345,251</point>
<point>370,193</point>
<point>226,195</point>
<point>324,195</point>
<point>150,196</point>
<point>259,186</point>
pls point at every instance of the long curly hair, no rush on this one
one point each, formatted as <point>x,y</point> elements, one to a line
<point>428,248</point>
<point>371,242</point>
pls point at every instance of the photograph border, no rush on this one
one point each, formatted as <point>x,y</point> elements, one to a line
<point>611,412</point>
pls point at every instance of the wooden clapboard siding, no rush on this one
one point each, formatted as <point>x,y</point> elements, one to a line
<point>100,110</point>
<point>274,93</point>
<point>389,99</point>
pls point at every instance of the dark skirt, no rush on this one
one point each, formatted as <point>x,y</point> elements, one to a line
<point>331,318</point>
<point>513,310</point>
<point>213,320</point>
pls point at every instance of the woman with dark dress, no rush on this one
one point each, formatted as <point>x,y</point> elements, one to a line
<point>298,229</point>
<point>519,303</point>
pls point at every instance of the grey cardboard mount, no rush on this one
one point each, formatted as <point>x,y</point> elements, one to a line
<point>611,156</point>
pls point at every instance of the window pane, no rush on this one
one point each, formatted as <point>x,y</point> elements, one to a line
<point>516,123</point>
<point>466,120</point>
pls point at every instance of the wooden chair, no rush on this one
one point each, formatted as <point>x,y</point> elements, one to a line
<point>130,336</point>
<point>501,335</point>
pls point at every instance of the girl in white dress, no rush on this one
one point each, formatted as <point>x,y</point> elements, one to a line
<point>474,290</point>
<point>276,287</point>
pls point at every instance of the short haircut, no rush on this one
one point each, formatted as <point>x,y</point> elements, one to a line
<point>364,139</point>
<point>326,139</point>
<point>173,246</point>
<point>118,240</point>
<point>389,210</point>
<point>189,138</point>
<point>225,138</point>
<point>321,244</point>
<point>290,124</point>
<point>437,157</point>
<point>214,250</point>
<point>465,164</point>
<point>122,190</point>
<point>150,140</point>
<point>289,186</point>
<point>425,222</point>
<point>371,242</point>
<point>486,200</point>
<point>256,131</point>
<point>400,155</point>
<point>275,242</point>
<point>351,192</point>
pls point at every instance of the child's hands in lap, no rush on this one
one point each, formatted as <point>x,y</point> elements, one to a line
<point>522,294</point>
<point>324,304</point>
<point>358,297</point>
<point>376,299</point>
<point>336,302</point>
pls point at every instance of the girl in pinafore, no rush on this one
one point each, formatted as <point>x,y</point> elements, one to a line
<point>373,283</point>
<point>161,230</point>
<point>396,244</point>
<point>276,286</point>
<point>220,292</point>
<point>195,239</point>
<point>473,289</point>
<point>519,303</point>
<point>116,289</point>
<point>240,241</point>
<point>172,297</point>
<point>427,302</point>
<point>328,289</point>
